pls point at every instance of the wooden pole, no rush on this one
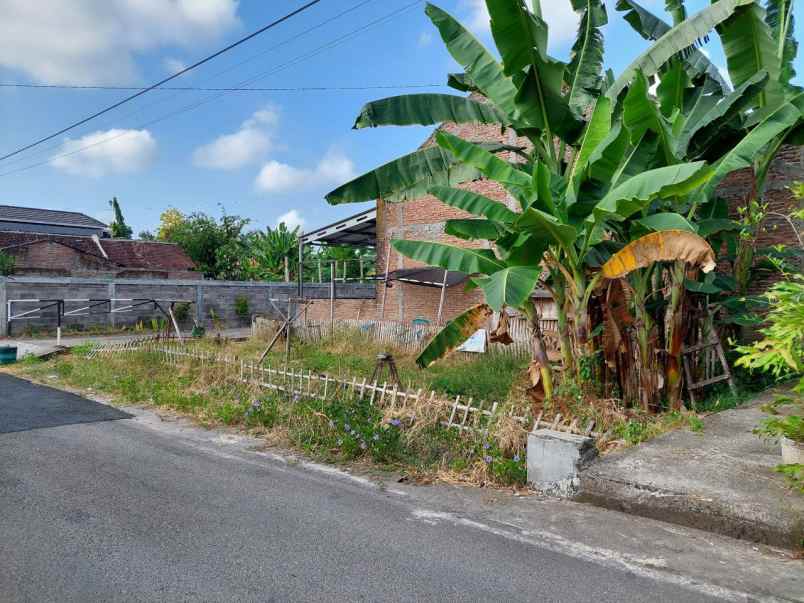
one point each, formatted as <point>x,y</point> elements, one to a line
<point>288,330</point>
<point>385,282</point>
<point>287,269</point>
<point>320,272</point>
<point>300,276</point>
<point>361,268</point>
<point>332,297</point>
<point>443,295</point>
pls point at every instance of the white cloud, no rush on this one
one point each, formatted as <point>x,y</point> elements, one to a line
<point>333,168</point>
<point>92,42</point>
<point>425,39</point>
<point>173,65</point>
<point>560,18</point>
<point>248,144</point>
<point>292,219</point>
<point>275,177</point>
<point>122,151</point>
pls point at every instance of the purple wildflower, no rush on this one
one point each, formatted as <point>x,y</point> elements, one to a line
<point>395,422</point>
<point>347,427</point>
<point>516,458</point>
<point>487,459</point>
<point>486,446</point>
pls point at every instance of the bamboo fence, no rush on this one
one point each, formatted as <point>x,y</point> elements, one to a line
<point>462,414</point>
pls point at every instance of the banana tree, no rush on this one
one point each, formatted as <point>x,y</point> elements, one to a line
<point>585,171</point>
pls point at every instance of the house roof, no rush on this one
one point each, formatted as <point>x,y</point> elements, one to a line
<point>33,215</point>
<point>147,254</point>
<point>140,255</point>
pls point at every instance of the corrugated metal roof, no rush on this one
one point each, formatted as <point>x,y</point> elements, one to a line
<point>33,215</point>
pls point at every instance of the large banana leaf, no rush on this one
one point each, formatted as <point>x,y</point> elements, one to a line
<point>584,73</point>
<point>782,23</point>
<point>509,287</point>
<point>676,40</point>
<point>518,33</point>
<point>543,223</point>
<point>706,121</point>
<point>474,203</point>
<point>461,82</point>
<point>541,103</point>
<point>637,192</point>
<point>608,155</point>
<point>452,336</point>
<point>666,221</point>
<point>664,246</point>
<point>595,133</point>
<point>425,110</point>
<point>407,177</point>
<point>449,257</point>
<point>673,88</point>
<point>485,162</point>
<point>778,123</point>
<point>478,63</point>
<point>676,10</point>
<point>749,48</point>
<point>650,27</point>
<point>474,229</point>
<point>640,115</point>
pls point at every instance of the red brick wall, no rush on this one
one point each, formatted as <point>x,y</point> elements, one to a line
<point>787,168</point>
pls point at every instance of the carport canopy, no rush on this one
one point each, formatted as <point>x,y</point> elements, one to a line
<point>359,230</point>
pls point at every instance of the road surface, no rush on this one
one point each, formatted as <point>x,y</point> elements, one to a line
<point>96,507</point>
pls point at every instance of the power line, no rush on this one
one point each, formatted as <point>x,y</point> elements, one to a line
<point>214,55</point>
<point>222,89</point>
<point>331,44</point>
<point>164,99</point>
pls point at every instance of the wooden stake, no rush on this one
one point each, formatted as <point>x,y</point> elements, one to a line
<point>443,295</point>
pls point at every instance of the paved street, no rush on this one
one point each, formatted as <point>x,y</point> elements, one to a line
<point>95,506</point>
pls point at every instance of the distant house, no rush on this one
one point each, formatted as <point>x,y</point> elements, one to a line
<point>44,242</point>
<point>60,255</point>
<point>48,221</point>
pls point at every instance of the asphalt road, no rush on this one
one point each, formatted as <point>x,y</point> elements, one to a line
<point>94,507</point>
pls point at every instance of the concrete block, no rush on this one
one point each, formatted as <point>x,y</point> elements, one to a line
<point>555,459</point>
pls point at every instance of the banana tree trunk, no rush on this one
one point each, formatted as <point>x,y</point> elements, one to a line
<point>564,339</point>
<point>643,325</point>
<point>675,336</point>
<point>539,352</point>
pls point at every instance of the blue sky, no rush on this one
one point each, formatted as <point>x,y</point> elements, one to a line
<point>262,155</point>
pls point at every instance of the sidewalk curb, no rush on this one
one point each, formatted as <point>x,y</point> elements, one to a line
<point>686,509</point>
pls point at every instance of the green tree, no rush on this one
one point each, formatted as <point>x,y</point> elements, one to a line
<point>146,235</point>
<point>120,230</point>
<point>267,250</point>
<point>216,247</point>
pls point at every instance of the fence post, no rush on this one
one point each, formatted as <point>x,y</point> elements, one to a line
<point>332,297</point>
<point>287,269</point>
<point>4,324</point>
<point>199,305</point>
<point>112,293</point>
